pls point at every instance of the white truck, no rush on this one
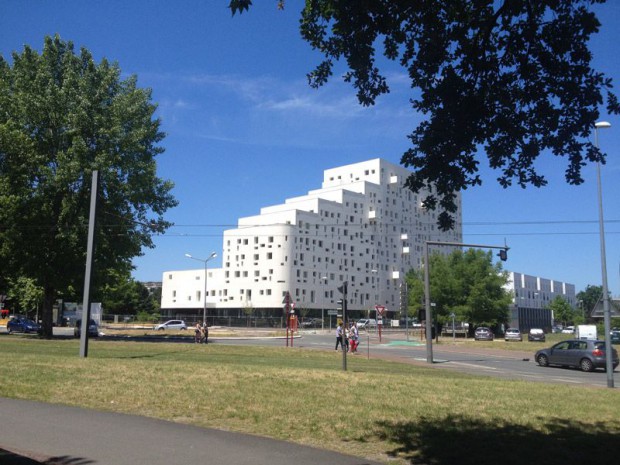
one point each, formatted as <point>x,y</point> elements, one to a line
<point>585,332</point>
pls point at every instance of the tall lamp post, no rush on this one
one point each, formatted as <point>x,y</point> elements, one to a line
<point>606,308</point>
<point>323,279</point>
<point>204,300</point>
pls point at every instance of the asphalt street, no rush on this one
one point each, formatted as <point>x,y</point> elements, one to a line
<point>50,434</point>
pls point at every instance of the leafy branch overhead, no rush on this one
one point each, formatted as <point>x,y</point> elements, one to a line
<point>511,79</point>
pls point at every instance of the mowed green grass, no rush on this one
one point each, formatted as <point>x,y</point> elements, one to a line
<point>391,412</point>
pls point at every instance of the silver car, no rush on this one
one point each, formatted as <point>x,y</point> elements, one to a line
<point>585,354</point>
<point>171,324</point>
<point>513,334</point>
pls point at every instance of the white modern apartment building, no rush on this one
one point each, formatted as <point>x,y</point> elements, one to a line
<point>531,298</point>
<point>362,226</point>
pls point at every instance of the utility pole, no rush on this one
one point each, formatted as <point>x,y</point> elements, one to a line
<point>343,290</point>
<point>90,249</point>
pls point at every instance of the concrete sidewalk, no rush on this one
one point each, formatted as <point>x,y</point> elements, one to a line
<point>37,433</point>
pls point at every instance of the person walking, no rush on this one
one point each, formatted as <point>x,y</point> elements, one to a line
<point>339,334</point>
<point>354,336</point>
<point>197,333</point>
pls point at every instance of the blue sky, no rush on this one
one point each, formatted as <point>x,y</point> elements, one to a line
<point>244,130</point>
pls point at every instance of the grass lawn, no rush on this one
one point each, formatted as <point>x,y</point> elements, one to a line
<point>391,412</point>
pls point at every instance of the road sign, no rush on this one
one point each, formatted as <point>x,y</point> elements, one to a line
<point>380,309</point>
<point>332,312</point>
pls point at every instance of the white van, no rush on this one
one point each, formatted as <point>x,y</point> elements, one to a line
<point>586,332</point>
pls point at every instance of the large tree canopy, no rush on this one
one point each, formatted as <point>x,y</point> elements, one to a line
<point>511,78</point>
<point>62,116</point>
<point>465,283</point>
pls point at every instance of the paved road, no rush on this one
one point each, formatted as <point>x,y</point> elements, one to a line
<point>61,435</point>
<point>507,364</point>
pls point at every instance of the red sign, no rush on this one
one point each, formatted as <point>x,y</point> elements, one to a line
<point>379,309</point>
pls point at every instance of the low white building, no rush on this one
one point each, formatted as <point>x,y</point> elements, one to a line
<point>362,226</point>
<point>531,298</point>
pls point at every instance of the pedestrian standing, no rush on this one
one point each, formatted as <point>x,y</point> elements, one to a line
<point>339,334</point>
<point>205,332</point>
<point>197,333</point>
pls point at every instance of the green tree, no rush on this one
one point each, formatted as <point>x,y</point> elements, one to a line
<point>466,284</point>
<point>512,79</point>
<point>562,310</point>
<point>122,295</point>
<point>25,295</point>
<point>415,292</point>
<point>589,297</point>
<point>62,116</point>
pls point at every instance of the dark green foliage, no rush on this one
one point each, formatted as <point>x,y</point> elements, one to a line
<point>122,295</point>
<point>511,79</point>
<point>466,284</point>
<point>589,298</point>
<point>62,116</point>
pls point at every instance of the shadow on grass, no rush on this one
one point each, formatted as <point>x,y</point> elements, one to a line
<point>464,441</point>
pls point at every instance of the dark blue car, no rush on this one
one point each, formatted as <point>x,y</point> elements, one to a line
<point>22,325</point>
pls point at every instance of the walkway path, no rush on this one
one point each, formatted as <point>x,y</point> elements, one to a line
<point>37,433</point>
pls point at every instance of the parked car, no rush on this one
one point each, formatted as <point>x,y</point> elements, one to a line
<point>93,328</point>
<point>411,322</point>
<point>171,324</point>
<point>568,330</point>
<point>585,354</point>
<point>311,323</point>
<point>366,323</point>
<point>615,336</point>
<point>22,325</point>
<point>513,334</point>
<point>536,335</point>
<point>483,334</point>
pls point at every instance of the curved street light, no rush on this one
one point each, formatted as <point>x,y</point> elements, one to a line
<point>204,300</point>
<point>606,309</point>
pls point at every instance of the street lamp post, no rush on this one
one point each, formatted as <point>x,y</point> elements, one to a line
<point>323,279</point>
<point>204,300</point>
<point>606,308</point>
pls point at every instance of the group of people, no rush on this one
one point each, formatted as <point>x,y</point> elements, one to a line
<point>347,336</point>
<point>201,333</point>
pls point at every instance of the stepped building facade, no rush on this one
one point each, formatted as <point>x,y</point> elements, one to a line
<point>363,226</point>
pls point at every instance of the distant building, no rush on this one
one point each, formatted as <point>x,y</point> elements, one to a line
<point>614,310</point>
<point>362,226</point>
<point>531,298</point>
<point>152,286</point>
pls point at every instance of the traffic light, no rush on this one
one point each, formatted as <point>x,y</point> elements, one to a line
<point>503,254</point>
<point>343,289</point>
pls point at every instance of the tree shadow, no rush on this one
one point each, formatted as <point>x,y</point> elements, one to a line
<point>464,441</point>
<point>12,458</point>
<point>66,460</point>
